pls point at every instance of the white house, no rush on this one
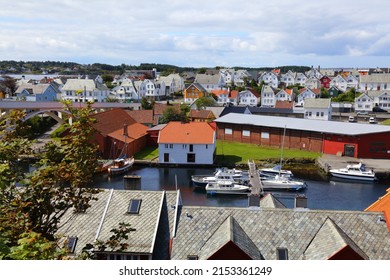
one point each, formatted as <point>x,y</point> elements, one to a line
<point>210,82</point>
<point>187,143</point>
<point>318,109</point>
<point>268,98</point>
<point>364,102</point>
<point>304,94</point>
<point>173,83</point>
<point>81,90</point>
<point>248,97</point>
<point>222,95</point>
<point>288,79</point>
<point>313,83</point>
<point>301,79</point>
<point>374,82</point>
<point>126,91</point>
<point>339,82</point>
<point>37,92</point>
<point>314,73</point>
<point>285,95</point>
<point>352,81</point>
<point>270,78</point>
<point>383,100</point>
<point>151,90</point>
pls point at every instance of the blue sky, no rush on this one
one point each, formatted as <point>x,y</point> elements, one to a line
<point>348,33</point>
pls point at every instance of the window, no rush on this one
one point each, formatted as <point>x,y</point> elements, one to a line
<point>322,114</point>
<point>71,244</point>
<point>192,257</point>
<point>134,206</point>
<point>282,253</point>
<point>184,146</point>
<point>170,146</point>
<point>265,135</point>
<point>191,148</point>
<point>246,133</point>
<point>228,131</point>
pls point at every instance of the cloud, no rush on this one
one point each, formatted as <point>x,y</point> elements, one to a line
<point>191,33</point>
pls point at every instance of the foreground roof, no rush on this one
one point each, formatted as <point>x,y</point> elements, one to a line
<point>333,127</point>
<point>187,133</point>
<point>304,233</point>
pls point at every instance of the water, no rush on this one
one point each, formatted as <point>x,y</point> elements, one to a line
<point>325,195</point>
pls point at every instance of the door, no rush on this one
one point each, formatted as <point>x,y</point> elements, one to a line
<point>349,150</point>
<point>166,157</point>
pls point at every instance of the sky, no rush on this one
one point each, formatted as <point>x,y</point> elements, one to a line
<point>198,33</point>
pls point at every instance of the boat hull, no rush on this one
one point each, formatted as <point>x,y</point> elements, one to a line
<point>115,169</point>
<point>359,177</point>
<point>280,185</point>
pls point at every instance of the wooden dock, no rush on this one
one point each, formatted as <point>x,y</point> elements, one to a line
<point>255,181</point>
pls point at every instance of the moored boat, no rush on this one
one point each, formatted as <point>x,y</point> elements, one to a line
<point>120,165</point>
<point>226,187</point>
<point>235,175</point>
<point>354,172</point>
<point>282,183</point>
<point>276,170</point>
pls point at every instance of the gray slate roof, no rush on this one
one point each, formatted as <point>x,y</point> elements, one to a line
<point>269,229</point>
<point>333,127</point>
<point>319,103</point>
<point>110,209</point>
<point>270,201</point>
<point>206,79</point>
<point>375,78</point>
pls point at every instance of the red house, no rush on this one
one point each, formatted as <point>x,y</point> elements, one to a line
<point>325,82</point>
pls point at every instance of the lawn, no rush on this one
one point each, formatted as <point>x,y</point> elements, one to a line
<point>147,153</point>
<point>240,153</point>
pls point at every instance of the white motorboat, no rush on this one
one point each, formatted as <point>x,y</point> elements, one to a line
<point>234,175</point>
<point>226,187</point>
<point>282,183</point>
<point>354,172</point>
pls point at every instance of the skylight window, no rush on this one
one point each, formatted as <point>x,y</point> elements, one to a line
<point>72,242</point>
<point>134,206</point>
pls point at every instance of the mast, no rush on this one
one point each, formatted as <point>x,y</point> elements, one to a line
<point>281,152</point>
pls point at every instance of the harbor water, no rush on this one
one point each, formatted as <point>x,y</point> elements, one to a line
<point>321,194</point>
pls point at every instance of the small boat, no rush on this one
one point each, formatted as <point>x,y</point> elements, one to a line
<point>120,165</point>
<point>234,175</point>
<point>276,170</point>
<point>226,187</point>
<point>354,172</point>
<point>282,183</point>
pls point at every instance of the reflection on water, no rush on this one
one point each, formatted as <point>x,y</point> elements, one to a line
<point>332,195</point>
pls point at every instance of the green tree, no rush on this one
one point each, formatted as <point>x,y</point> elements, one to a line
<point>204,101</point>
<point>172,114</point>
<point>145,104</point>
<point>32,204</point>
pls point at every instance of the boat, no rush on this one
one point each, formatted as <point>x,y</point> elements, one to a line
<point>276,170</point>
<point>282,183</point>
<point>120,165</point>
<point>354,172</point>
<point>234,175</point>
<point>226,187</point>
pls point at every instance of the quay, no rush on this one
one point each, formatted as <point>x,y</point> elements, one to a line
<point>254,179</point>
<point>380,166</point>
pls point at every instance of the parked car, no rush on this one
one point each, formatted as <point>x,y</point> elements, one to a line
<point>372,120</point>
<point>361,113</point>
<point>379,109</point>
<point>351,119</point>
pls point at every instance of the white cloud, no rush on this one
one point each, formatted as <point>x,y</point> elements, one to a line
<point>196,32</point>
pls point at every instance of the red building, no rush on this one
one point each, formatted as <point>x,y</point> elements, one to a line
<point>329,137</point>
<point>325,82</point>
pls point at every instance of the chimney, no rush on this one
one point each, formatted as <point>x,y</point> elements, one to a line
<point>300,201</point>
<point>253,200</point>
<point>125,130</point>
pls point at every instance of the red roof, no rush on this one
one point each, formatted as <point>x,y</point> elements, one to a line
<point>201,114</point>
<point>284,104</point>
<point>134,131</point>
<point>234,93</point>
<point>141,116</point>
<point>112,120</point>
<point>219,91</point>
<point>187,133</point>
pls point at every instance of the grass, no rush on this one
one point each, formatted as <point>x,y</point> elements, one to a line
<point>386,122</point>
<point>147,153</point>
<point>239,153</point>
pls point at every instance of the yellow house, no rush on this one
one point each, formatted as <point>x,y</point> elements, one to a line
<point>193,92</point>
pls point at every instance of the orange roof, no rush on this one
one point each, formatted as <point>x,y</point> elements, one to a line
<point>234,93</point>
<point>219,91</point>
<point>134,131</point>
<point>316,91</point>
<point>187,133</point>
<point>284,104</point>
<point>289,91</point>
<point>201,114</point>
<point>382,205</point>
<point>112,120</point>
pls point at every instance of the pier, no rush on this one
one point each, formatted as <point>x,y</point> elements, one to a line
<point>254,179</point>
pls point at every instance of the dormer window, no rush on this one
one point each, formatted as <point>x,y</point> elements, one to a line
<point>71,245</point>
<point>282,253</point>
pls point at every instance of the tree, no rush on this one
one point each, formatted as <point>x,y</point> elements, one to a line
<point>145,104</point>
<point>32,204</point>
<point>204,101</point>
<point>172,114</point>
